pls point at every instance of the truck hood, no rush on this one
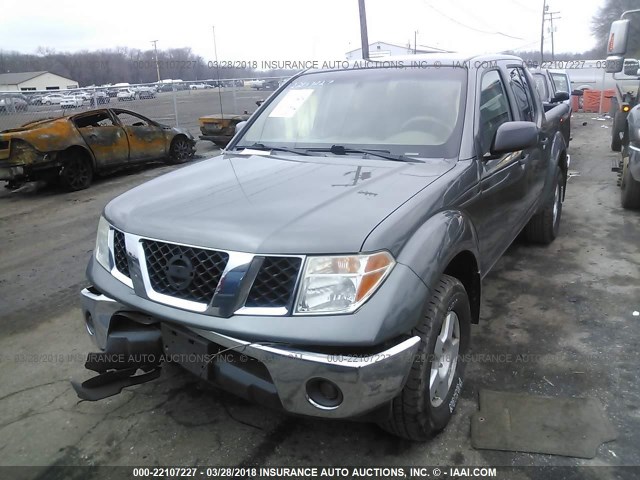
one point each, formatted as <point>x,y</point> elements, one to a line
<point>273,204</point>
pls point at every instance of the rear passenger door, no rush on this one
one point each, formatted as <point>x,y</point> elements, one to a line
<point>106,139</point>
<point>501,177</point>
<point>531,160</point>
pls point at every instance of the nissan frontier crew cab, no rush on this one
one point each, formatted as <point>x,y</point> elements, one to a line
<point>329,261</point>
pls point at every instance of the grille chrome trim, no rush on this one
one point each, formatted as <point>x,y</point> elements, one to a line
<point>142,284</point>
<point>112,258</point>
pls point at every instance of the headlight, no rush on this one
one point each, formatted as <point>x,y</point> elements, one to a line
<point>341,284</point>
<point>102,244</point>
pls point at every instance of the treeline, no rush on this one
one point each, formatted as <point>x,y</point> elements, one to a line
<point>125,65</point>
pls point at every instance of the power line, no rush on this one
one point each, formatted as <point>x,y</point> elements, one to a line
<point>468,26</point>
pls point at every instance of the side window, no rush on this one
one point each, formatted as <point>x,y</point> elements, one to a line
<point>541,84</point>
<point>494,108</point>
<point>129,120</point>
<point>561,82</point>
<point>522,93</point>
<point>101,119</point>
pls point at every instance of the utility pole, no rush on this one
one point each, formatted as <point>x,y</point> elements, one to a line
<point>215,54</point>
<point>155,47</point>
<point>364,37</point>
<point>415,42</point>
<point>544,11</point>
<point>551,29</point>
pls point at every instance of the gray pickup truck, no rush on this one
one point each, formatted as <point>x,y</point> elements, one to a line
<point>628,167</point>
<point>329,261</point>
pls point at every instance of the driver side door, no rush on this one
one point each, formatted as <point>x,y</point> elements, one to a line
<point>147,141</point>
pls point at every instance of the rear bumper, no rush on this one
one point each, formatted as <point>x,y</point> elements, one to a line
<point>363,382</point>
<point>220,140</point>
<point>11,173</point>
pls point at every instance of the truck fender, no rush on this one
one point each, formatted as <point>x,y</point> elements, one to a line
<point>634,162</point>
<point>632,126</point>
<point>446,243</point>
<point>557,157</point>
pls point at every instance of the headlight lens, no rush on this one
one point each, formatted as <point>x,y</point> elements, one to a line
<point>340,284</point>
<point>102,244</point>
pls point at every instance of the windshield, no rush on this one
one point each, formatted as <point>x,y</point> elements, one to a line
<point>561,83</point>
<point>403,111</point>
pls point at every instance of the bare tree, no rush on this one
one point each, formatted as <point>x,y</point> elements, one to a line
<point>601,23</point>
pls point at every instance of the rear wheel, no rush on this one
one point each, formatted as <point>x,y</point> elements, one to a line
<point>180,150</point>
<point>617,130</point>
<point>545,225</point>
<point>427,401</point>
<point>76,173</point>
<point>629,189</point>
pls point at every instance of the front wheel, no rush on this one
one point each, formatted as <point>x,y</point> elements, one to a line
<point>544,226</point>
<point>619,125</point>
<point>427,401</point>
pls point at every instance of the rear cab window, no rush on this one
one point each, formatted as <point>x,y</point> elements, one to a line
<point>522,94</point>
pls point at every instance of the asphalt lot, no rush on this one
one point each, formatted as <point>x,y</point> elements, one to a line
<point>569,307</point>
<point>189,105</point>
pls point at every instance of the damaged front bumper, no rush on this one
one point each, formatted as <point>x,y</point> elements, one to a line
<point>299,381</point>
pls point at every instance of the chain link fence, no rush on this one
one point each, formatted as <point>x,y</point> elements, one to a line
<point>175,103</point>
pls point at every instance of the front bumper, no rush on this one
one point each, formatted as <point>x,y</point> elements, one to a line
<point>365,381</point>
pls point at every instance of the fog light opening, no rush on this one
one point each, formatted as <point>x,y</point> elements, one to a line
<point>324,394</point>
<point>88,323</point>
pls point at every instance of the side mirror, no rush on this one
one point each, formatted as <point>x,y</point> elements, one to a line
<point>614,64</point>
<point>560,96</point>
<point>514,136</point>
<point>618,35</point>
<point>631,66</point>
<point>240,126</point>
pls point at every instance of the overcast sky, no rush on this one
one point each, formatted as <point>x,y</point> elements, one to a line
<point>291,29</point>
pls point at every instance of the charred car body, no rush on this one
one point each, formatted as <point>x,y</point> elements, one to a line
<point>72,149</point>
<point>329,262</point>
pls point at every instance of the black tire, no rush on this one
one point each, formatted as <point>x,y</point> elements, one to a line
<point>76,172</point>
<point>544,226</point>
<point>414,414</point>
<point>180,150</point>
<point>618,128</point>
<point>629,189</point>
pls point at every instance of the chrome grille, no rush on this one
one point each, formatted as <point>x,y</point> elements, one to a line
<point>183,272</point>
<point>275,283</point>
<point>120,253</point>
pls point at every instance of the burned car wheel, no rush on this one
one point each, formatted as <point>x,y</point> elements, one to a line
<point>428,399</point>
<point>76,173</point>
<point>180,150</point>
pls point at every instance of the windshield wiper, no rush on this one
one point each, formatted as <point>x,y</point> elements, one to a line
<point>262,146</point>
<point>342,150</point>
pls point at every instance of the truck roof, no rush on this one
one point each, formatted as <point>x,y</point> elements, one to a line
<point>447,59</point>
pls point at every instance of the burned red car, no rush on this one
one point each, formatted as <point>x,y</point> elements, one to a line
<point>73,149</point>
